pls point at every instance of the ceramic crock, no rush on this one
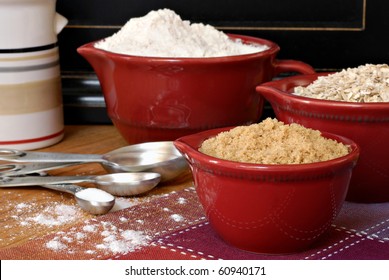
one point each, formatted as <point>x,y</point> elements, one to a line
<point>268,208</point>
<point>365,123</point>
<point>159,99</point>
<point>31,113</point>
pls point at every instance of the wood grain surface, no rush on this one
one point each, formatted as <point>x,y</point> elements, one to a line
<point>19,207</point>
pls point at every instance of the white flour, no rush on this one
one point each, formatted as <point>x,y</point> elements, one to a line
<point>177,217</point>
<point>54,215</point>
<point>93,194</point>
<point>94,238</point>
<point>109,238</point>
<point>162,33</point>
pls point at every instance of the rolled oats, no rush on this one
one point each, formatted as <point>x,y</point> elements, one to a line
<point>365,83</point>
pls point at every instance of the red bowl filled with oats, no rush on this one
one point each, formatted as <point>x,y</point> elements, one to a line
<point>354,103</point>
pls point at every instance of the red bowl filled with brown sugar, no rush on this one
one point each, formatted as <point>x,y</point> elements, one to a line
<point>269,187</point>
<point>354,103</point>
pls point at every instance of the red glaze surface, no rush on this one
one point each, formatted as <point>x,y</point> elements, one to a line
<point>365,123</point>
<point>156,99</point>
<point>273,209</point>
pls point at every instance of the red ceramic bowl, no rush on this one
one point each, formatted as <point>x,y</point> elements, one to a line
<point>365,123</point>
<point>158,99</point>
<point>270,209</point>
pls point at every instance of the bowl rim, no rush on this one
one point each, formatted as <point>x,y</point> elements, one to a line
<point>273,49</point>
<point>207,161</point>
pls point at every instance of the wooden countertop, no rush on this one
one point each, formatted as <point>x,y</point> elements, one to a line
<point>20,206</point>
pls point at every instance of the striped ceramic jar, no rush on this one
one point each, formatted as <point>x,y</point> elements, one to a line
<point>31,113</point>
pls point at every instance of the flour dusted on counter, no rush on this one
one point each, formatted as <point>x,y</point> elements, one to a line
<point>162,33</point>
<point>55,214</point>
<point>177,217</point>
<point>108,237</point>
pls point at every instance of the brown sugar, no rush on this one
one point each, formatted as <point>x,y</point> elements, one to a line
<point>273,142</point>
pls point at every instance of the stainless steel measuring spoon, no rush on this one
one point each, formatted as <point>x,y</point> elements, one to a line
<point>160,157</point>
<point>119,184</point>
<point>97,203</point>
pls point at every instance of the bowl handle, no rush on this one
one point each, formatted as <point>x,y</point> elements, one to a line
<point>282,66</point>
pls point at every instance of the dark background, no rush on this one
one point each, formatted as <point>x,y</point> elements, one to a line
<point>329,35</point>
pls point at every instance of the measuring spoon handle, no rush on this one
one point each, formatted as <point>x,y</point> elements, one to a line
<point>18,169</point>
<point>39,180</point>
<point>14,155</point>
<point>68,188</point>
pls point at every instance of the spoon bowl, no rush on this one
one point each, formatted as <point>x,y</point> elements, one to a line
<point>166,164</point>
<point>94,201</point>
<point>128,184</point>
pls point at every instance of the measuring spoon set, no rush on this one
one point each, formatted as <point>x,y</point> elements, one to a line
<point>133,170</point>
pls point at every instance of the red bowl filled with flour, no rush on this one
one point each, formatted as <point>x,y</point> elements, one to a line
<point>175,78</point>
